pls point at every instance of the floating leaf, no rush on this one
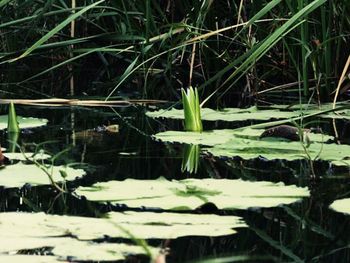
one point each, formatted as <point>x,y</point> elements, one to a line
<point>246,144</point>
<point>337,115</point>
<point>21,231</point>
<point>341,205</point>
<point>29,155</point>
<point>228,114</point>
<point>209,138</point>
<point>253,113</point>
<point>192,193</point>
<point>20,174</point>
<point>23,122</point>
<point>277,149</point>
<point>65,247</point>
<point>345,162</point>
<point>216,137</point>
<point>145,225</point>
<point>29,259</point>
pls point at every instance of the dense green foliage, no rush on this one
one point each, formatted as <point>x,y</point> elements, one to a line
<point>151,49</point>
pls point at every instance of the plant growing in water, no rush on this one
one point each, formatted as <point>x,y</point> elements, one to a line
<point>192,110</point>
<point>12,124</point>
<point>12,128</point>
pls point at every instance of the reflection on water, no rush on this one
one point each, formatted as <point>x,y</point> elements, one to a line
<point>190,159</point>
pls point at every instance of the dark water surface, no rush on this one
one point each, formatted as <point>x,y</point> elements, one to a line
<point>306,231</point>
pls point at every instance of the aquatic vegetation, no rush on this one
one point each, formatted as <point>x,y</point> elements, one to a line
<point>191,110</point>
<point>113,54</point>
<point>195,31</point>
<point>29,258</point>
<point>344,162</point>
<point>23,122</point>
<point>20,174</point>
<point>227,114</point>
<point>36,230</point>
<point>19,156</point>
<point>192,193</point>
<point>12,124</point>
<point>341,205</point>
<point>277,149</point>
<point>246,143</point>
<point>253,113</point>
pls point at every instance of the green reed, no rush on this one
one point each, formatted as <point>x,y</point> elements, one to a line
<point>155,48</point>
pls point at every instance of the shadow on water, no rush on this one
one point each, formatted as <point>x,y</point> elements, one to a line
<point>307,231</point>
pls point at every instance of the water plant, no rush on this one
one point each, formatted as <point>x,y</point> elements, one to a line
<point>242,56</point>
<point>192,110</point>
<point>12,128</point>
<point>12,124</point>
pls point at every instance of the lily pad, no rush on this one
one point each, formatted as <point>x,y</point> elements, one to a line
<point>29,259</point>
<point>23,122</point>
<point>37,230</point>
<point>276,149</point>
<point>345,162</point>
<point>227,114</point>
<point>341,205</point>
<point>345,114</point>
<point>29,155</point>
<point>65,247</point>
<point>307,107</point>
<point>217,137</point>
<point>245,143</point>
<point>209,138</point>
<point>314,108</point>
<point>144,225</point>
<point>192,193</point>
<point>20,174</point>
<point>253,113</point>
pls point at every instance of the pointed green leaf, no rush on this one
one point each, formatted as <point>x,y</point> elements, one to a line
<point>55,30</point>
<point>12,124</point>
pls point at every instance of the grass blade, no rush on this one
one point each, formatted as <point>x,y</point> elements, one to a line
<point>55,30</point>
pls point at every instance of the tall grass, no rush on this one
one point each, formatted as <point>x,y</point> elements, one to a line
<point>240,49</point>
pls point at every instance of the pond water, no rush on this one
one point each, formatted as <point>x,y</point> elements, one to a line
<point>136,198</point>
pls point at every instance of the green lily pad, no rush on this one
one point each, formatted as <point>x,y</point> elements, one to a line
<point>307,107</point>
<point>20,174</point>
<point>345,162</point>
<point>276,149</point>
<point>145,225</point>
<point>29,259</point>
<point>217,137</point>
<point>65,247</point>
<point>245,143</point>
<point>209,138</point>
<point>341,205</point>
<point>23,122</point>
<point>344,114</point>
<point>192,193</point>
<point>228,114</point>
<point>36,230</point>
<point>314,108</point>
<point>253,113</point>
<point>29,155</point>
